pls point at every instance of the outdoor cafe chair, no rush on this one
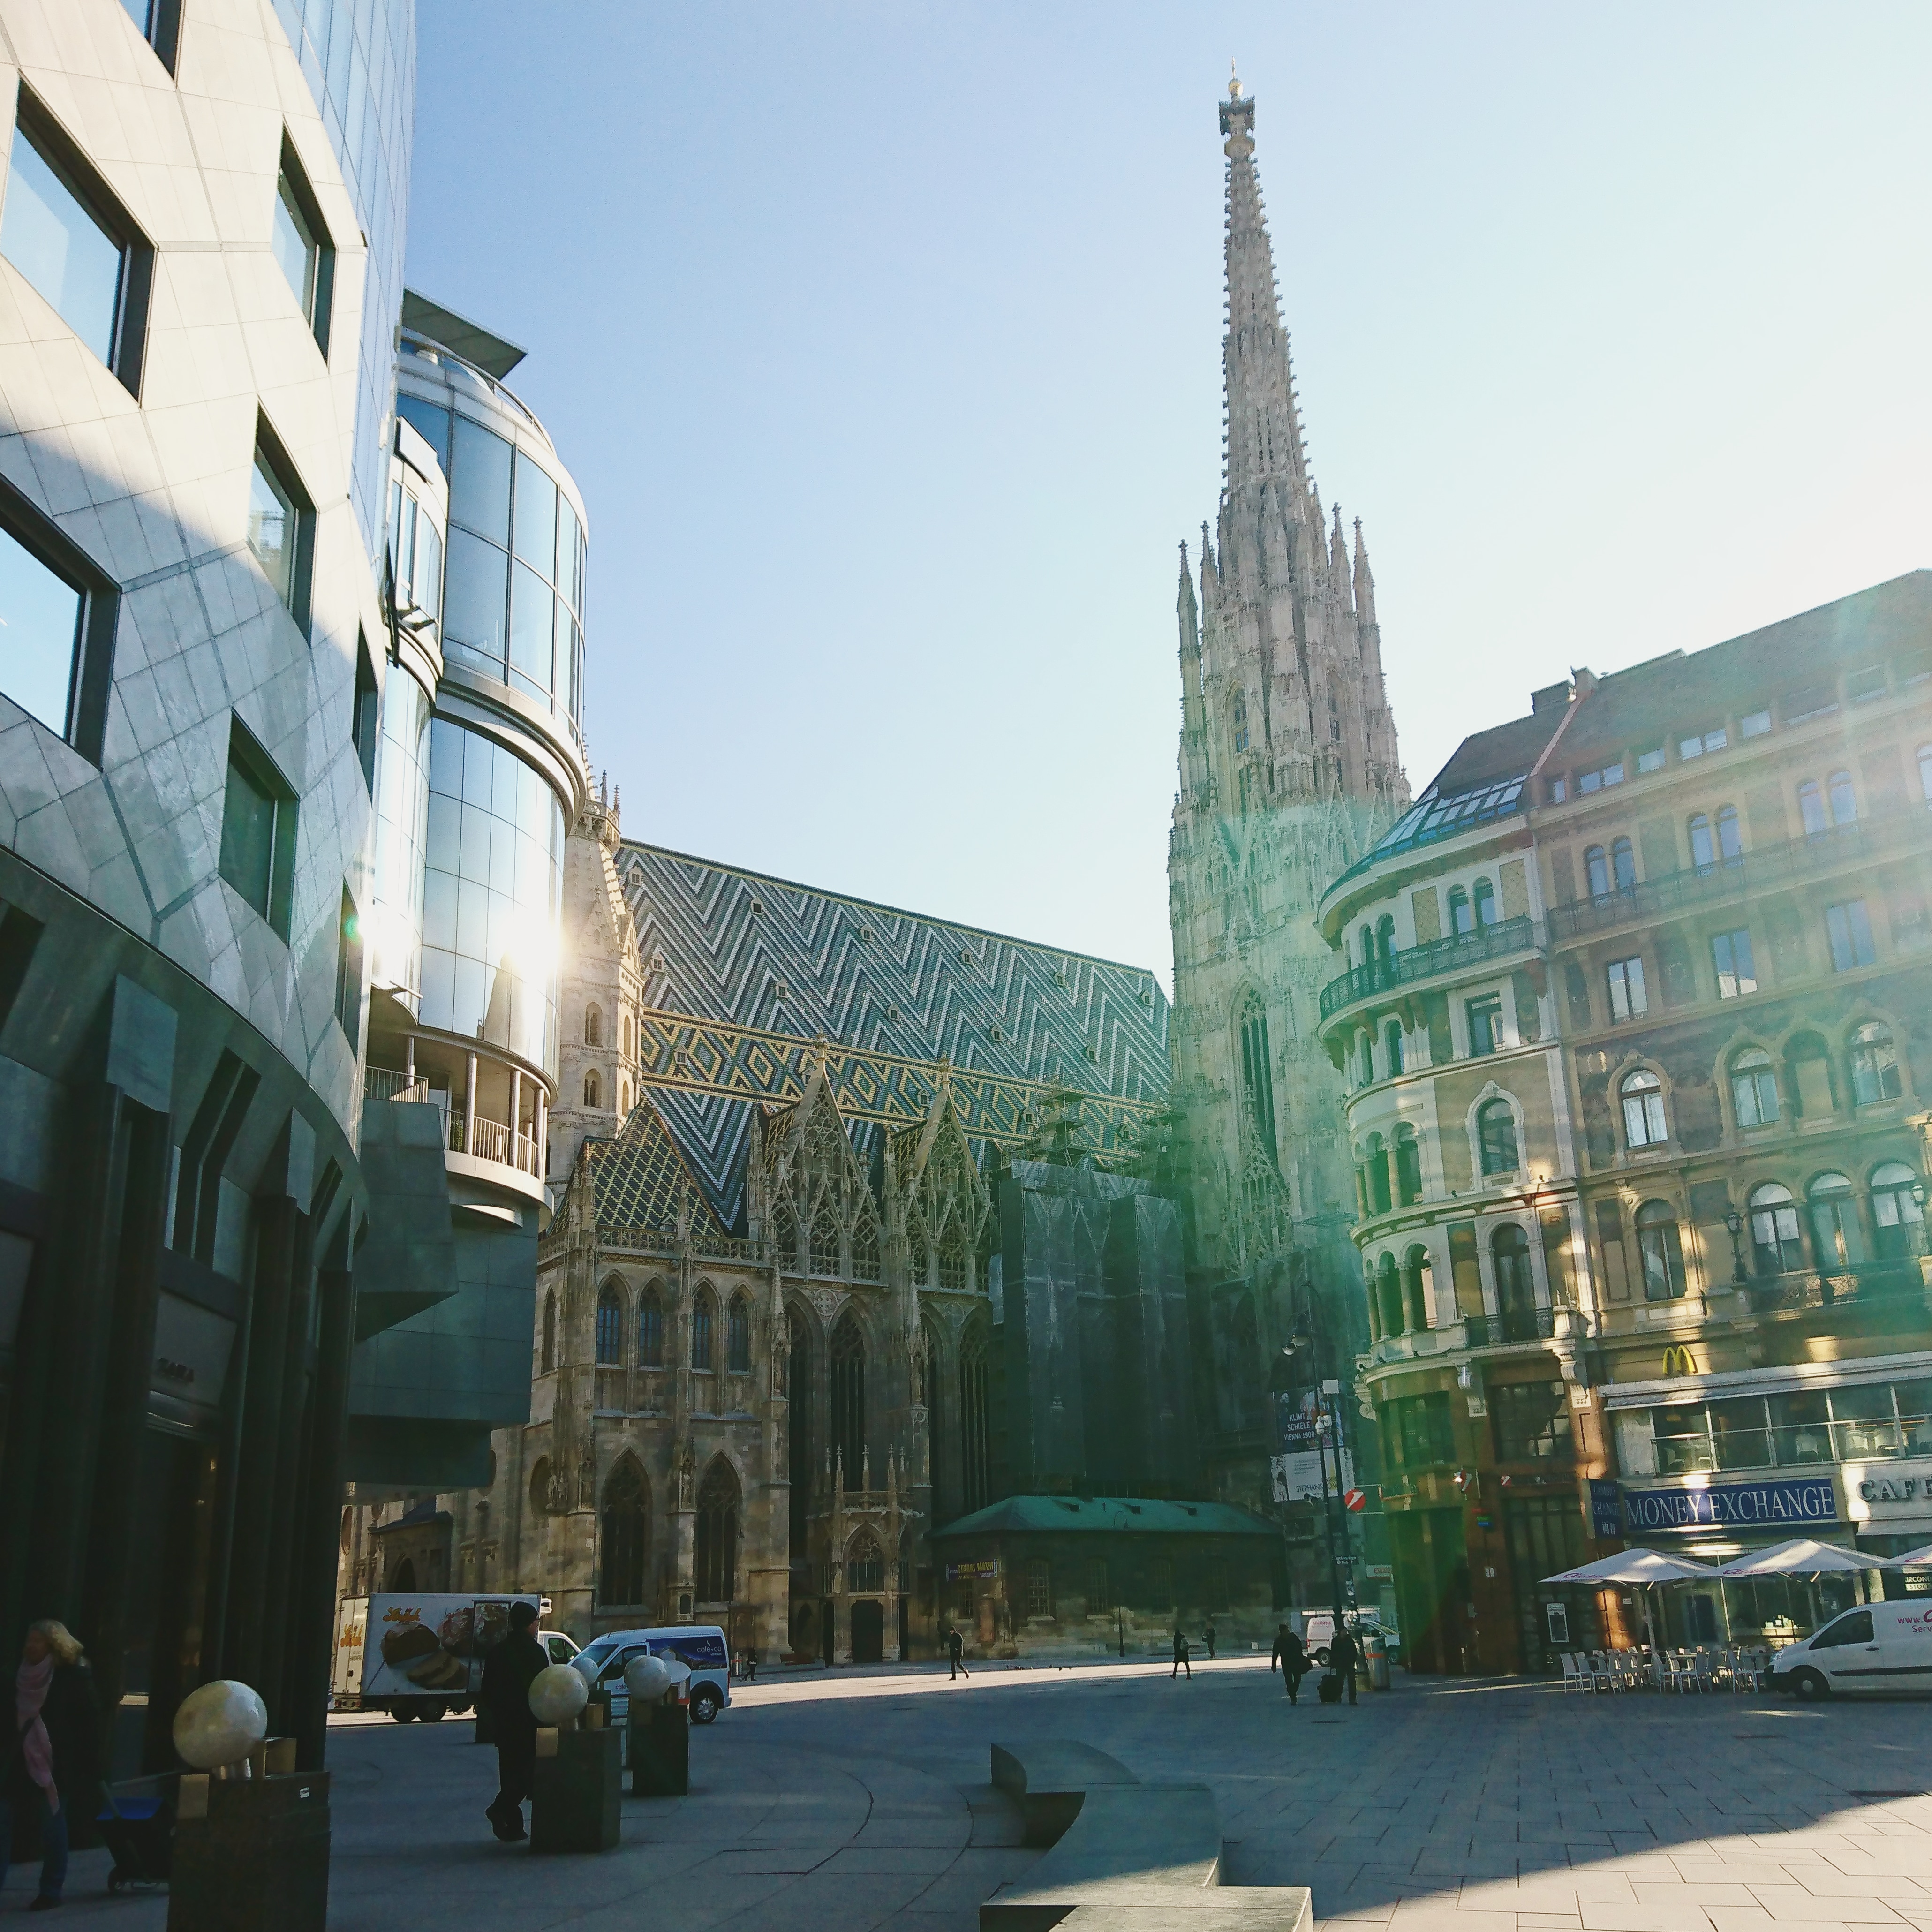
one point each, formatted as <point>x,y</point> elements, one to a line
<point>1573,1678</point>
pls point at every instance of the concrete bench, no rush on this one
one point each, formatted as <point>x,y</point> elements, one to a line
<point>1126,1856</point>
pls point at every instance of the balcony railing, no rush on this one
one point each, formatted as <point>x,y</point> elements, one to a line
<point>1514,1324</point>
<point>1869,1281</point>
<point>1428,962</point>
<point>491,1140</point>
<point>1755,871</point>
<point>388,1083</point>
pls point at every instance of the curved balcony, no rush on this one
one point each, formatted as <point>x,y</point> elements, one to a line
<point>1430,961</point>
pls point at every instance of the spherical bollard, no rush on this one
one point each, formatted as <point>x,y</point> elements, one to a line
<point>219,1724</point>
<point>558,1694</point>
<point>646,1678</point>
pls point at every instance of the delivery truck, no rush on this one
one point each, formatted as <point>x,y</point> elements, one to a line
<point>417,1656</point>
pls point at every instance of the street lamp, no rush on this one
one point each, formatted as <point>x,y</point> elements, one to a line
<point>1327,1430</point>
<point>1735,1222</point>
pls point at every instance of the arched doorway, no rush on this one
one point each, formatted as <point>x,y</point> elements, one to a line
<point>403,1579</point>
<point>869,1631</point>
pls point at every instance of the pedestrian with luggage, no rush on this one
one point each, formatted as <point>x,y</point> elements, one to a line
<point>1293,1659</point>
<point>1181,1662</point>
<point>54,1761</point>
<point>508,1673</point>
<point>1342,1655</point>
<point>955,1652</point>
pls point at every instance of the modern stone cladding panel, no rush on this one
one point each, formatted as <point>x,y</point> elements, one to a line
<point>155,492</point>
<point>359,59</point>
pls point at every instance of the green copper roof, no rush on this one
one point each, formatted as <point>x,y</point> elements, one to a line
<point>1112,1516</point>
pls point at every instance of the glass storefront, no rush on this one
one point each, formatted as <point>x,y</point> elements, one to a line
<point>493,892</point>
<point>394,924</point>
<point>513,586</point>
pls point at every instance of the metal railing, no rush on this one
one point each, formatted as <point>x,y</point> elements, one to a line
<point>484,1139</point>
<point>1428,961</point>
<point>1515,1324</point>
<point>1869,1281</point>
<point>1755,871</point>
<point>389,1083</point>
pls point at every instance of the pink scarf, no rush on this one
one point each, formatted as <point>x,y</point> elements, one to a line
<point>30,1692</point>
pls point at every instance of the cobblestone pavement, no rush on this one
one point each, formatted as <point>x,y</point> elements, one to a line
<point>855,1800</point>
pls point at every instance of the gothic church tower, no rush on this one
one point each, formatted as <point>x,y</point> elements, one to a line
<point>1288,770</point>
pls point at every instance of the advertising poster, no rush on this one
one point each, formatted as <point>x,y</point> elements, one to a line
<point>1301,1437</point>
<point>431,1646</point>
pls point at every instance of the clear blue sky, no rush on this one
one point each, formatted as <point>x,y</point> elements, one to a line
<point>884,341</point>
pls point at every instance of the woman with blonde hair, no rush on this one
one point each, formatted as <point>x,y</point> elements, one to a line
<point>54,1761</point>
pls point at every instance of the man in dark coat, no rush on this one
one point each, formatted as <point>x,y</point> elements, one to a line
<point>1342,1655</point>
<point>1209,1634</point>
<point>1181,1662</point>
<point>955,1653</point>
<point>1293,1659</point>
<point>507,1675</point>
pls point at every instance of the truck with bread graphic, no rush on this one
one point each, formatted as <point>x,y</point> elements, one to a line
<point>417,1656</point>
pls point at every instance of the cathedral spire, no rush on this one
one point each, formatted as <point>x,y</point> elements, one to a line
<point>1365,582</point>
<point>1264,419</point>
<point>1338,560</point>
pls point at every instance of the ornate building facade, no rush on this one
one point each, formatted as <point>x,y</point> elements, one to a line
<point>1289,768</point>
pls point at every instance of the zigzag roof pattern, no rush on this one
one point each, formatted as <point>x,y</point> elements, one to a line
<point>638,1178</point>
<point>727,944</point>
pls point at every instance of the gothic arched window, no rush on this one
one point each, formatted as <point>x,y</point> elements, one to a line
<point>1461,919</point>
<point>976,1459</point>
<point>593,1026</point>
<point>1643,1095</point>
<point>549,1332</point>
<point>1776,1247</point>
<point>848,1396</point>
<point>1240,722</point>
<point>865,1247</point>
<point>1484,894</point>
<point>955,1266</point>
<point>540,1488</point>
<point>1623,864</point>
<point>865,1566</point>
<point>738,1337</point>
<point>1257,1073</point>
<point>611,1336</point>
<point>623,1535</point>
<point>593,1089</point>
<point>716,1539</point>
<point>785,1235</point>
<point>825,1239</point>
<point>703,1311</point>
<point>650,1327</point>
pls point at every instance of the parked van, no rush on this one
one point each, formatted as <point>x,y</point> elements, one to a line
<point>699,1646</point>
<point>1877,1649</point>
<point>419,1656</point>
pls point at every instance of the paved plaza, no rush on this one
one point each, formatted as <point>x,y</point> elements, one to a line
<point>854,1800</point>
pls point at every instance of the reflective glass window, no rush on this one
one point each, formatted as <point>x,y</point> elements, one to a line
<point>1811,805</point>
<point>1735,967</point>
<point>271,527</point>
<point>429,422</point>
<point>40,628</point>
<point>402,832</point>
<point>294,245</point>
<point>479,481</point>
<point>1844,799</point>
<point>1754,1088</point>
<point>1898,1218</point>
<point>1875,1074</point>
<point>536,516</point>
<point>569,553</point>
<point>1703,853</point>
<point>532,605</point>
<point>1623,862</point>
<point>1848,929</point>
<point>47,232</point>
<point>1775,1246</point>
<point>1730,842</point>
<point>1643,1110</point>
<point>475,590</point>
<point>491,895</point>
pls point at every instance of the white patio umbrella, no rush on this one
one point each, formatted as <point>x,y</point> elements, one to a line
<point>1920,1558</point>
<point>1640,1566</point>
<point>1803,1556</point>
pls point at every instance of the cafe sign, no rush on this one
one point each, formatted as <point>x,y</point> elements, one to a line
<point>1767,1505</point>
<point>1888,1488</point>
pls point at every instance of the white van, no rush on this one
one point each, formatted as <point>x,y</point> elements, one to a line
<point>1878,1649</point>
<point>699,1646</point>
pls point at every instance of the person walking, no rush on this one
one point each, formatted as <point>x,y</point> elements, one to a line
<point>1342,1655</point>
<point>508,1672</point>
<point>955,1653</point>
<point>1209,1634</point>
<point>1293,1659</point>
<point>1181,1662</point>
<point>54,1763</point>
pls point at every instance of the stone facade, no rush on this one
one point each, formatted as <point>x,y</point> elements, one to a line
<point>1288,767</point>
<point>1642,979</point>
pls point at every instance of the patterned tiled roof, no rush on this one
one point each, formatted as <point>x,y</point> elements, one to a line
<point>639,1179</point>
<point>726,944</point>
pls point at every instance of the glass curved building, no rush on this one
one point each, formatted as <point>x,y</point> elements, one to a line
<point>480,774</point>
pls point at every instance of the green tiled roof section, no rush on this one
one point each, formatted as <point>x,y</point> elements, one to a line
<point>1113,1516</point>
<point>638,1179</point>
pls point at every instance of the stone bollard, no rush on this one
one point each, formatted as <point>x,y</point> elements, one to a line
<point>575,1797</point>
<point>251,1832</point>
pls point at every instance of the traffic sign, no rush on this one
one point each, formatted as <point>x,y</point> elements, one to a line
<point>1354,1499</point>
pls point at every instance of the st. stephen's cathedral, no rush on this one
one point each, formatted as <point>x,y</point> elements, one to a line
<point>904,1275</point>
